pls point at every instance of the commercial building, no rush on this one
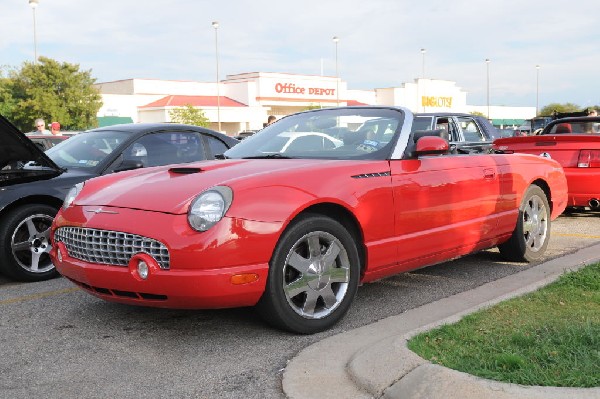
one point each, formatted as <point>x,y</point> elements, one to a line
<point>244,101</point>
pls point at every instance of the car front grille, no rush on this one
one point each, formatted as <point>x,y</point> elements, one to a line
<point>110,247</point>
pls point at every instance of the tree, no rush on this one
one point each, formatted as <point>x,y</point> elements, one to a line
<point>53,91</point>
<point>477,113</point>
<point>567,107</point>
<point>189,115</point>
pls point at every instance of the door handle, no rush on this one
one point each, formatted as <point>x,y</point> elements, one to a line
<point>489,173</point>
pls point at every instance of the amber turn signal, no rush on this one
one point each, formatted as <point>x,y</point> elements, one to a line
<point>245,278</point>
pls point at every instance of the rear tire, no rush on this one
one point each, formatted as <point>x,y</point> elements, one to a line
<point>532,233</point>
<point>313,276</point>
<point>25,243</point>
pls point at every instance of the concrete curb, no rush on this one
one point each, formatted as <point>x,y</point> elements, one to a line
<point>373,361</point>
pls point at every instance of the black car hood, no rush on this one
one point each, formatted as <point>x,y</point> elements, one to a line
<point>20,159</point>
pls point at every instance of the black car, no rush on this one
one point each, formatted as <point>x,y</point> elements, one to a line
<point>468,133</point>
<point>33,184</point>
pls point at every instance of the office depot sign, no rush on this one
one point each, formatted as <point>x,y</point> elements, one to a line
<point>291,88</point>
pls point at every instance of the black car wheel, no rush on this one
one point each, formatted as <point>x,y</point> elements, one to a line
<point>532,233</point>
<point>25,244</point>
<point>313,276</point>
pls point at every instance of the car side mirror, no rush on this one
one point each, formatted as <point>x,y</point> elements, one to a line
<point>129,164</point>
<point>431,145</point>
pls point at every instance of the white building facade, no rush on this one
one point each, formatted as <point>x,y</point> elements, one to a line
<point>244,101</point>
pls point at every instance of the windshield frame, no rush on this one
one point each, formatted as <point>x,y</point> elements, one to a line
<point>336,123</point>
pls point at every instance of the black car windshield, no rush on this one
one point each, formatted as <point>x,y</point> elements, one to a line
<point>87,149</point>
<point>335,133</point>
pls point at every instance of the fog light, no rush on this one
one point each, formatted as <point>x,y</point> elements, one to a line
<point>59,254</point>
<point>142,269</point>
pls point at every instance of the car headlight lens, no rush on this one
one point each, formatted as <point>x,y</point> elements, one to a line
<point>209,207</point>
<point>73,192</point>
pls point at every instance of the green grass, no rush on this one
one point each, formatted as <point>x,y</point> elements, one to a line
<point>550,337</point>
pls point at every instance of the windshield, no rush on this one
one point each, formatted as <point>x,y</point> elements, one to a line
<point>86,150</point>
<point>348,133</point>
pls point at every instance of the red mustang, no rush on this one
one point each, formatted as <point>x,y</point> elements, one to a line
<point>575,144</point>
<point>294,231</point>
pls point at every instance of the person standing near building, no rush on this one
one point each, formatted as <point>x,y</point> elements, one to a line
<point>40,127</point>
<point>271,119</point>
<point>55,129</point>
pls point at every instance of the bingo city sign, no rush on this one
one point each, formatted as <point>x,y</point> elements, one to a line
<point>431,101</point>
<point>292,88</point>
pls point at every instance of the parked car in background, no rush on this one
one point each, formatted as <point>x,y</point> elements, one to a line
<point>294,230</point>
<point>467,132</point>
<point>46,141</point>
<point>34,183</point>
<point>245,134</point>
<point>508,132</point>
<point>575,144</point>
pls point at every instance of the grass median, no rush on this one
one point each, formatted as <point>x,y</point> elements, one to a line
<point>550,337</point>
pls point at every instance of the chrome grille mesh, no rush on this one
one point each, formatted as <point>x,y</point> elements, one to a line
<point>110,247</point>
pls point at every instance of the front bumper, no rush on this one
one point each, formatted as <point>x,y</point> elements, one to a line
<point>226,266</point>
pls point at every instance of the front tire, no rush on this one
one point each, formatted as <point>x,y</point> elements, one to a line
<point>532,233</point>
<point>313,276</point>
<point>25,243</point>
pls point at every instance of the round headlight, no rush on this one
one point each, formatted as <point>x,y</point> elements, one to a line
<point>73,192</point>
<point>209,207</point>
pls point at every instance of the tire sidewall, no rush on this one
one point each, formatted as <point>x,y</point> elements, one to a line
<point>273,305</point>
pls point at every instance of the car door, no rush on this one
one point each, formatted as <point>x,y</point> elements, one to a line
<point>473,136</point>
<point>445,205</point>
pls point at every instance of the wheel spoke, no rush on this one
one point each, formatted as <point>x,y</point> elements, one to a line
<point>339,275</point>
<point>314,246</point>
<point>330,256</point>
<point>20,246</point>
<point>35,260</point>
<point>298,262</point>
<point>31,227</point>
<point>329,297</point>
<point>310,303</point>
<point>296,287</point>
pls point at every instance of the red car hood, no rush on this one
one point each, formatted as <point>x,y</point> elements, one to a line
<point>171,189</point>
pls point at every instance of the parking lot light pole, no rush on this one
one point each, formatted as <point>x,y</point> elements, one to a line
<point>33,4</point>
<point>423,51</point>
<point>487,63</point>
<point>215,25</point>
<point>537,89</point>
<point>337,77</point>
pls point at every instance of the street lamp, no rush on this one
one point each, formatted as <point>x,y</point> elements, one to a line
<point>215,25</point>
<point>33,4</point>
<point>487,62</point>
<point>537,89</point>
<point>423,69</point>
<point>337,77</point>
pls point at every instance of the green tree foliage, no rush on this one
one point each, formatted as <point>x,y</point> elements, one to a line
<point>477,113</point>
<point>53,91</point>
<point>189,115</point>
<point>567,107</point>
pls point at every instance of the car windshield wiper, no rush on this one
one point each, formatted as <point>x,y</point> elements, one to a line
<point>276,155</point>
<point>221,156</point>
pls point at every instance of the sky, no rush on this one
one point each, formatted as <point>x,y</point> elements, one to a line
<point>379,45</point>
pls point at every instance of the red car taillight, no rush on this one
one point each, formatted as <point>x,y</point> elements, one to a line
<point>589,159</point>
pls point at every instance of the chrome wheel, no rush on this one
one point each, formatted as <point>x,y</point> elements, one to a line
<point>535,223</point>
<point>30,243</point>
<point>316,275</point>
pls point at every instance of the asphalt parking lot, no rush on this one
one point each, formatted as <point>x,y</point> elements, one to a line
<point>59,342</point>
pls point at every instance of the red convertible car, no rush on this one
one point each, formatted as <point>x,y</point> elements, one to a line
<point>294,232</point>
<point>575,144</point>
